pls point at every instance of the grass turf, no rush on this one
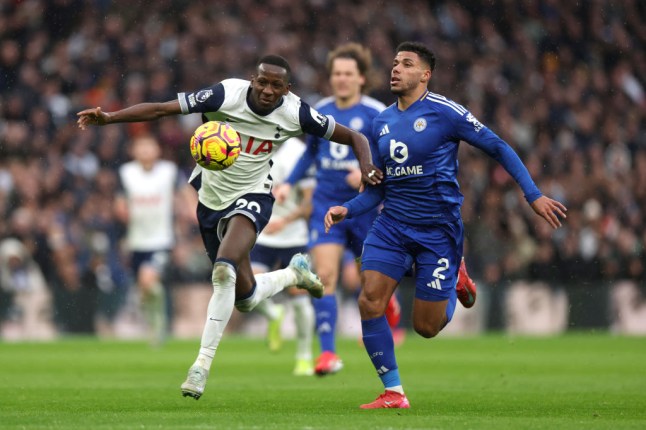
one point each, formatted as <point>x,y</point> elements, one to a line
<point>490,382</point>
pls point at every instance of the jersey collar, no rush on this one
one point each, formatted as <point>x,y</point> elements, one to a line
<point>418,100</point>
<point>280,103</point>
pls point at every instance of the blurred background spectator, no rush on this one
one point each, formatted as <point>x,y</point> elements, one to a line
<point>26,306</point>
<point>562,82</point>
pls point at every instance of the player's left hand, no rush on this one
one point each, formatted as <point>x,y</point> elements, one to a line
<point>550,210</point>
<point>371,175</point>
<point>334,215</point>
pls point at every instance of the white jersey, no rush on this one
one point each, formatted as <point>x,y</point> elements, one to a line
<point>260,135</point>
<point>150,204</point>
<point>295,233</point>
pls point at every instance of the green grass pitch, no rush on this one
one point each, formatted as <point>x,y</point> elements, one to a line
<point>577,381</point>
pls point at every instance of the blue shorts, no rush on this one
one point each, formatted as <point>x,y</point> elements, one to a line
<point>269,258</point>
<point>213,224</point>
<point>392,247</point>
<point>350,233</point>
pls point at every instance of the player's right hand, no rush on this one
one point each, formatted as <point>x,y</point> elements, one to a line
<point>371,175</point>
<point>94,116</point>
<point>281,192</point>
<point>334,215</point>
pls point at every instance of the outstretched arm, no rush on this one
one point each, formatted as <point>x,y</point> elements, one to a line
<point>472,131</point>
<point>550,210</point>
<point>370,174</point>
<point>135,113</point>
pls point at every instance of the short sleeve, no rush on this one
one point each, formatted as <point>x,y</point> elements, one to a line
<point>208,99</point>
<point>315,123</point>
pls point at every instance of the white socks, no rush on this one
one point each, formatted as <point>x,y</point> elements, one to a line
<point>397,389</point>
<point>267,285</point>
<point>304,318</point>
<point>218,312</point>
<point>223,300</point>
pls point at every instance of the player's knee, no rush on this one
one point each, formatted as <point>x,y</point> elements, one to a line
<point>145,286</point>
<point>371,306</point>
<point>223,274</point>
<point>426,329</point>
<point>147,277</point>
<point>244,306</point>
<point>328,277</point>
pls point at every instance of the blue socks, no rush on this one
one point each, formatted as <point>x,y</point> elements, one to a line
<point>378,341</point>
<point>326,311</point>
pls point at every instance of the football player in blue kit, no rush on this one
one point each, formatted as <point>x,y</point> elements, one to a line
<point>235,204</point>
<point>420,223</point>
<point>337,180</point>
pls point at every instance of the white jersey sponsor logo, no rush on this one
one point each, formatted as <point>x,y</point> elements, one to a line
<point>418,169</point>
<point>398,151</point>
<point>338,151</point>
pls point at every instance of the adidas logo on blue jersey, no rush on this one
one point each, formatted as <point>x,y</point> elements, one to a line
<point>384,130</point>
<point>435,284</point>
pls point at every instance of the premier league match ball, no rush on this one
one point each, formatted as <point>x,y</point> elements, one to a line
<point>215,145</point>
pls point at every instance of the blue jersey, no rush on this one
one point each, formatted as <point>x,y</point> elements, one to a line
<point>333,160</point>
<point>418,153</point>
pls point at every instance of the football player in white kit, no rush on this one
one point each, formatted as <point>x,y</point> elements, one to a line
<point>235,204</point>
<point>145,206</point>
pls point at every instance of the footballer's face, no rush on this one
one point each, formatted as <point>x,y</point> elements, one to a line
<point>408,74</point>
<point>268,87</point>
<point>346,79</point>
<point>146,151</point>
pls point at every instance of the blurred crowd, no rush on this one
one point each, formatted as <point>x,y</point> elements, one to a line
<point>562,82</point>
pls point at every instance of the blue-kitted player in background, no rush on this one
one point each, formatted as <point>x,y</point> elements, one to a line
<point>337,180</point>
<point>420,223</point>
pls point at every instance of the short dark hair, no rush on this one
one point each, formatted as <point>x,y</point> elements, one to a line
<point>420,49</point>
<point>276,60</point>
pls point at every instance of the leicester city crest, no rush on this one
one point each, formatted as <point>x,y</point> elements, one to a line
<point>419,125</point>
